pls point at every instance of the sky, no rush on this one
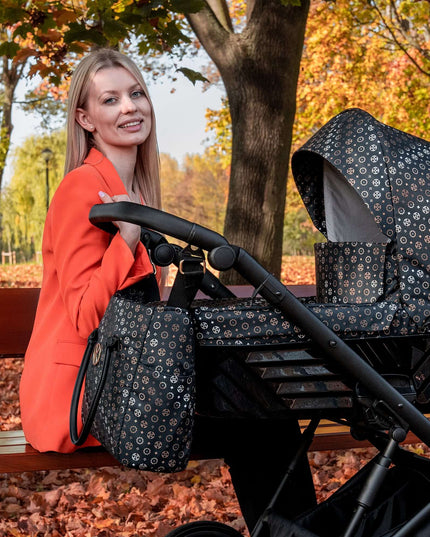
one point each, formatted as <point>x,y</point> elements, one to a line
<point>180,118</point>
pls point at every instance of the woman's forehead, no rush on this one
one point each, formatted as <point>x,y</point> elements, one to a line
<point>113,77</point>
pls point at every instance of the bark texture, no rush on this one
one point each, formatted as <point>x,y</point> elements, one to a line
<point>259,68</point>
<point>11,73</point>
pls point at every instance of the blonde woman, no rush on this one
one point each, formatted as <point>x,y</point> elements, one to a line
<point>111,156</point>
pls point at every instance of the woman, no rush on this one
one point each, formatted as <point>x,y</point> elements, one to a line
<point>111,156</point>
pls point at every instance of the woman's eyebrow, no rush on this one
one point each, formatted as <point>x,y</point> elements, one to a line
<point>115,91</point>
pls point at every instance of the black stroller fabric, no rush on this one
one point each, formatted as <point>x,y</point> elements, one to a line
<point>405,491</point>
<point>366,187</point>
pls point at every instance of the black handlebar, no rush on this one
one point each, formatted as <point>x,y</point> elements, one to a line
<point>171,225</point>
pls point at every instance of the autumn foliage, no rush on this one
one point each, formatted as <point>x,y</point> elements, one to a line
<point>118,502</point>
<point>28,275</point>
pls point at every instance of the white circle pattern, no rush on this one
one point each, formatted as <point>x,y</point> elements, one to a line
<point>146,412</point>
<point>395,187</point>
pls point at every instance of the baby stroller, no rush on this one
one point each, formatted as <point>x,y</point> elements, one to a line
<point>357,353</point>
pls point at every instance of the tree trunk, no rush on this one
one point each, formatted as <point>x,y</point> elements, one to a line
<point>10,75</point>
<point>260,69</point>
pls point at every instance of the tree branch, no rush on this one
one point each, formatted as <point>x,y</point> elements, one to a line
<point>398,43</point>
<point>249,8</point>
<point>212,26</point>
<point>220,10</point>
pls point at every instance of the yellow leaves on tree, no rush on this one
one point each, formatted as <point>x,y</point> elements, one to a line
<point>197,190</point>
<point>351,60</point>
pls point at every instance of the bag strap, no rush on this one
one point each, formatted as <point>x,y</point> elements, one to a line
<point>191,269</point>
<point>79,439</point>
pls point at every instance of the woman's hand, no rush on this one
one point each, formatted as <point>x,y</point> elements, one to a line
<point>129,232</point>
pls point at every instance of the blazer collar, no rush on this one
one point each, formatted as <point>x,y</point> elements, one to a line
<point>105,167</point>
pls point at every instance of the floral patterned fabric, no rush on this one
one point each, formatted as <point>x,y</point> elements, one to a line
<point>390,170</point>
<point>349,272</point>
<point>255,323</point>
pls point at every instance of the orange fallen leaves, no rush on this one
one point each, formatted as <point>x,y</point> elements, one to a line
<point>28,275</point>
<point>296,270</point>
<point>69,502</point>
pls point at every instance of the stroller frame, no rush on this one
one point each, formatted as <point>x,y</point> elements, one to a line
<point>394,411</point>
<point>222,256</point>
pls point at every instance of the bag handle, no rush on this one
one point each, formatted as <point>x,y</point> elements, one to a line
<point>79,439</point>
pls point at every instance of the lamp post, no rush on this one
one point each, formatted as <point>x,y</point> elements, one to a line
<point>47,155</point>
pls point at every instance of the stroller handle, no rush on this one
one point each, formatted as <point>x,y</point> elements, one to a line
<point>270,288</point>
<point>160,221</point>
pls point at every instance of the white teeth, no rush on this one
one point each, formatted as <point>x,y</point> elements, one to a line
<point>134,123</point>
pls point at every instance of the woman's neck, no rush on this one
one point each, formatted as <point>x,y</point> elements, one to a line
<point>124,161</point>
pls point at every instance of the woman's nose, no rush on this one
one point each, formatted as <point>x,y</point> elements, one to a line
<point>128,105</point>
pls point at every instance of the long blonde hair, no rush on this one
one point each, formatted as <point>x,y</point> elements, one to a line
<point>80,141</point>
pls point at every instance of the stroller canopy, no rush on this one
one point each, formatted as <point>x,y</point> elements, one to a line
<point>366,187</point>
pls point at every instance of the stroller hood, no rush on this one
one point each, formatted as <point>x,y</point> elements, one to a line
<point>368,183</point>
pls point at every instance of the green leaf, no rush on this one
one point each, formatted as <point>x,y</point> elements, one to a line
<point>9,49</point>
<point>77,32</point>
<point>114,29</point>
<point>131,19</point>
<point>193,76</point>
<point>22,30</point>
<point>10,15</point>
<point>173,35</point>
<point>186,6</point>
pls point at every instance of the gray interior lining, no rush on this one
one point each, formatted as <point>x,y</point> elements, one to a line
<point>348,219</point>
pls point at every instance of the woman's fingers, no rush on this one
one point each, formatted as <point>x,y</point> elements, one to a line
<point>111,199</point>
<point>105,197</point>
<point>129,232</point>
<point>121,197</point>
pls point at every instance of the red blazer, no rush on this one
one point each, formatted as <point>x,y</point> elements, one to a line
<point>82,268</point>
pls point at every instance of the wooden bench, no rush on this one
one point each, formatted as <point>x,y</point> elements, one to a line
<point>17,310</point>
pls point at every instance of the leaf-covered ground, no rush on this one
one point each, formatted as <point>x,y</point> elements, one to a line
<point>119,502</point>
<point>116,502</point>
<point>295,270</point>
<point>21,275</point>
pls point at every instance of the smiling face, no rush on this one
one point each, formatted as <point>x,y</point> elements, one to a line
<point>116,112</point>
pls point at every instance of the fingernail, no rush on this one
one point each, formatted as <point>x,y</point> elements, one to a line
<point>102,194</point>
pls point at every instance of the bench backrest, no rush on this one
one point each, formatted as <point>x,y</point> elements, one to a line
<point>18,308</point>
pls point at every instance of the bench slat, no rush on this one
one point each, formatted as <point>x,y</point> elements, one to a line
<point>11,434</point>
<point>29,460</point>
<point>16,455</point>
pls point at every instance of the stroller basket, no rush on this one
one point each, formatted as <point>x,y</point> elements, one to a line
<point>404,492</point>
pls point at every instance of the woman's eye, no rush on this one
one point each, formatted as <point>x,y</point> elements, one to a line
<point>137,93</point>
<point>109,100</point>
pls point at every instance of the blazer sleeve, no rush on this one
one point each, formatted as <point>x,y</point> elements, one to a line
<point>91,265</point>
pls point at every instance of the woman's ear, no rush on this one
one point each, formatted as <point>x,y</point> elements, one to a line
<point>83,120</point>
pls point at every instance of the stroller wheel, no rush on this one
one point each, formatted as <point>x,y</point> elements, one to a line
<point>204,528</point>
